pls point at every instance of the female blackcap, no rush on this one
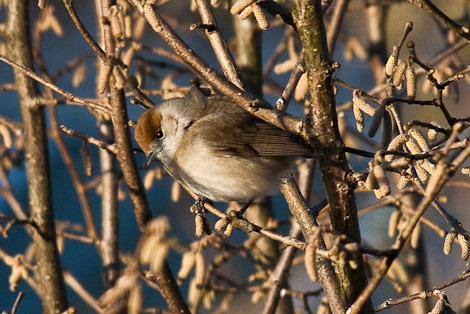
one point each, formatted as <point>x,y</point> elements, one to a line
<point>216,148</point>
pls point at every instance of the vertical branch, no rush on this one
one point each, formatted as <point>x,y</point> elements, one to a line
<point>376,13</point>
<point>248,52</point>
<point>109,207</point>
<point>284,263</point>
<point>335,24</point>
<point>126,156</point>
<point>326,272</point>
<point>167,284</point>
<point>249,58</point>
<point>49,271</point>
<point>123,137</point>
<point>109,182</point>
<point>218,43</point>
<point>321,130</point>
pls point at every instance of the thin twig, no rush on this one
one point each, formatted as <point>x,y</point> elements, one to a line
<point>335,23</point>
<point>77,182</point>
<point>430,8</point>
<point>218,43</point>
<point>82,29</point>
<point>77,287</point>
<point>89,139</point>
<point>71,97</point>
<point>20,296</point>
<point>288,92</point>
<point>280,48</point>
<point>255,228</point>
<point>424,294</point>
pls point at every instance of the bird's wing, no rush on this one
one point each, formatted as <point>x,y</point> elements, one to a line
<point>241,134</point>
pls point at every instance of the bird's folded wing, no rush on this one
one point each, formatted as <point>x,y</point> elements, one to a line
<point>241,134</point>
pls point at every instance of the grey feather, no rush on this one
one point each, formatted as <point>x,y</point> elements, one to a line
<point>243,134</point>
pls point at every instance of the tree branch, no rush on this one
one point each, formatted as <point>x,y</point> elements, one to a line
<point>49,271</point>
<point>321,131</point>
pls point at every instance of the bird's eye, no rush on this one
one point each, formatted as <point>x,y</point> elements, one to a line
<point>160,134</point>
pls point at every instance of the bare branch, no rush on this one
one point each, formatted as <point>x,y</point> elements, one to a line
<point>69,96</point>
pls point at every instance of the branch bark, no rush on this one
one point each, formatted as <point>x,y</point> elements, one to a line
<point>168,286</point>
<point>109,246</point>
<point>326,272</point>
<point>321,131</point>
<point>218,43</point>
<point>49,271</point>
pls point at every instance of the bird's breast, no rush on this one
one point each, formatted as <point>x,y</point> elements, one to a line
<point>224,178</point>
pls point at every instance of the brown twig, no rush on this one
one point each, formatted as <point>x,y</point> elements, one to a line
<point>289,90</point>
<point>284,263</point>
<point>424,294</point>
<point>77,182</point>
<point>71,97</point>
<point>70,66</point>
<point>89,139</point>
<point>255,228</point>
<point>430,8</point>
<point>77,287</point>
<point>280,48</point>
<point>163,53</point>
<point>82,29</point>
<point>124,146</point>
<point>395,200</point>
<point>325,271</point>
<point>218,43</point>
<point>8,194</point>
<point>15,306</point>
<point>321,131</point>
<point>49,271</point>
<point>278,275</point>
<point>169,289</point>
<point>335,23</point>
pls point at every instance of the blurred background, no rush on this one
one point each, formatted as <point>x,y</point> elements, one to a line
<point>82,260</point>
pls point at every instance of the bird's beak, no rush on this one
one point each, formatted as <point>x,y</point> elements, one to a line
<point>150,158</point>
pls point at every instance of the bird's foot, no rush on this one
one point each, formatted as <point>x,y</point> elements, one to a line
<point>198,206</point>
<point>238,214</point>
<point>202,224</point>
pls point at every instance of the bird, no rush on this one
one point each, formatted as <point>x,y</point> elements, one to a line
<point>216,149</point>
